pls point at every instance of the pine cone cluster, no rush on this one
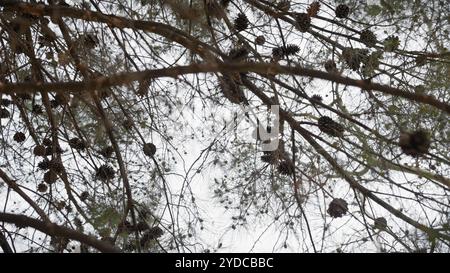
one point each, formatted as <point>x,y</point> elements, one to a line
<point>241,22</point>
<point>337,208</point>
<point>77,144</point>
<point>371,63</point>
<point>284,51</point>
<point>49,149</point>
<point>415,144</point>
<point>44,165</point>
<point>56,166</point>
<point>342,11</point>
<point>368,38</point>
<point>105,172</point>
<point>127,227</point>
<point>330,127</point>
<point>353,57</point>
<point>303,22</point>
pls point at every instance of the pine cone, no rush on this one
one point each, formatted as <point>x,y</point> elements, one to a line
<point>77,144</point>
<point>4,113</point>
<point>391,43</point>
<point>84,196</point>
<point>316,98</point>
<point>337,208</point>
<point>368,38</point>
<point>124,226</point>
<point>42,187</point>
<point>303,22</point>
<point>291,50</point>
<point>285,51</point>
<point>47,142</point>
<point>56,166</point>
<point>105,172</point>
<point>44,165</point>
<point>421,60</point>
<point>260,40</point>
<point>143,88</point>
<point>241,22</point>
<point>354,57</point>
<point>50,177</point>
<point>330,127</point>
<point>313,9</point>
<point>149,149</point>
<point>19,137</point>
<point>62,99</point>
<point>277,53</point>
<point>90,41</point>
<point>416,143</point>
<point>342,11</point>
<point>39,150</point>
<point>380,223</point>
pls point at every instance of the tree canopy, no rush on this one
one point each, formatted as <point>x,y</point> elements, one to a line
<point>123,125</point>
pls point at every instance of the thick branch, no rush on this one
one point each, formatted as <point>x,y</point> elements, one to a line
<point>56,230</point>
<point>263,68</point>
